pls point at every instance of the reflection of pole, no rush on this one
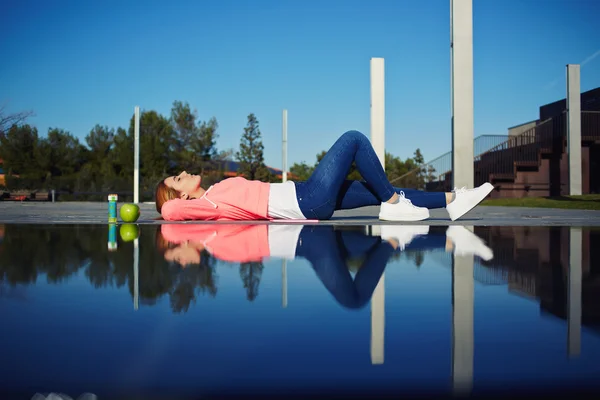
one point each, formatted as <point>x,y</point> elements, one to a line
<point>284,283</point>
<point>378,142</point>
<point>574,290</point>
<point>136,272</point>
<point>462,323</point>
<point>378,323</point>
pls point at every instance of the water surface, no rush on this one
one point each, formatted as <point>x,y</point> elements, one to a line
<point>301,309</point>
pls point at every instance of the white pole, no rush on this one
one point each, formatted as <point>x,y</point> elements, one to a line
<point>284,284</point>
<point>463,285</point>
<point>378,107</point>
<point>574,290</point>
<point>574,128</point>
<point>378,142</point>
<point>136,156</point>
<point>136,273</point>
<point>461,71</point>
<point>284,147</point>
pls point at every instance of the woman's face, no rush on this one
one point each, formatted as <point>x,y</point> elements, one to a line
<point>184,183</point>
<point>183,255</point>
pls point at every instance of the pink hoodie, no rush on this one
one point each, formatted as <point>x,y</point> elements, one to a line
<point>232,199</point>
<point>231,243</point>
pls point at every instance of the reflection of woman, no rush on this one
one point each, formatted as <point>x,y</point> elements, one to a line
<point>231,243</point>
<point>326,248</point>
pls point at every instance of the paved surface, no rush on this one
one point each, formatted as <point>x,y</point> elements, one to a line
<point>97,213</point>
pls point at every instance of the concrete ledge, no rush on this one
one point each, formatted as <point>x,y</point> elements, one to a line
<point>97,213</point>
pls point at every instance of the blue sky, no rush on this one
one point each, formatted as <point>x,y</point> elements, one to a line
<point>81,63</point>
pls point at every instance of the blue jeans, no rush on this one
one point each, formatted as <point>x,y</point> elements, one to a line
<point>327,189</point>
<point>328,251</point>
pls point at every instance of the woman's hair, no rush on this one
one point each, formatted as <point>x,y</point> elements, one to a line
<point>164,194</point>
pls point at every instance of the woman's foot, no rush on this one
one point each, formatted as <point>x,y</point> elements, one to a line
<point>466,243</point>
<point>402,235</point>
<point>402,210</point>
<point>467,199</point>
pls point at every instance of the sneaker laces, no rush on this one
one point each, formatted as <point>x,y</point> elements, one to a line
<point>405,200</point>
<point>461,190</point>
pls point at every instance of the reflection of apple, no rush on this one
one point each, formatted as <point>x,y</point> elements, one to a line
<point>130,212</point>
<point>129,232</point>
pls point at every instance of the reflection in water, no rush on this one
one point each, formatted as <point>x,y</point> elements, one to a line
<point>180,260</point>
<point>554,266</point>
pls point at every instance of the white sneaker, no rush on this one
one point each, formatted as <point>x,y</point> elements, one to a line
<point>467,243</point>
<point>403,234</point>
<point>467,199</point>
<point>403,210</point>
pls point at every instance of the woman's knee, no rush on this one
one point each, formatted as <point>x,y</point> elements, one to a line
<point>354,135</point>
<point>324,211</point>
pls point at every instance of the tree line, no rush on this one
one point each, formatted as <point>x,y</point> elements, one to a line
<point>104,162</point>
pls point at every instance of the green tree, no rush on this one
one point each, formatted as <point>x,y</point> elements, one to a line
<point>18,148</point>
<point>194,143</point>
<point>98,173</point>
<point>250,156</point>
<point>156,135</point>
<point>121,157</point>
<point>301,170</point>
<point>204,144</point>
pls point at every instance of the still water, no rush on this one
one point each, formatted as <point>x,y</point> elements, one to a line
<point>190,309</point>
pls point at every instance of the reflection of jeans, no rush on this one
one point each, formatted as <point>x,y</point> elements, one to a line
<point>328,190</point>
<point>327,250</point>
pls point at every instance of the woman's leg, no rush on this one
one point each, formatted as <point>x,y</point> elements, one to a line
<point>355,194</point>
<point>317,196</point>
<point>323,247</point>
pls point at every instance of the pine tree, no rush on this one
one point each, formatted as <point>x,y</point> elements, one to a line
<point>250,156</point>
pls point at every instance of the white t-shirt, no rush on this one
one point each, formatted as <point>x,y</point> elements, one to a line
<point>283,203</point>
<point>283,240</point>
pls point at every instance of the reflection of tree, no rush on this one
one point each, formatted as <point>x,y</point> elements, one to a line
<point>251,273</point>
<point>193,280</point>
<point>56,253</point>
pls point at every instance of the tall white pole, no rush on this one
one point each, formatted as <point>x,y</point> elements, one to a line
<point>378,107</point>
<point>574,290</point>
<point>136,156</point>
<point>574,128</point>
<point>378,142</point>
<point>284,147</point>
<point>136,273</point>
<point>461,71</point>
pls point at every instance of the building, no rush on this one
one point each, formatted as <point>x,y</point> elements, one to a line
<point>533,161</point>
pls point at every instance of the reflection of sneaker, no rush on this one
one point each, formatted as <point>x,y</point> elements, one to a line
<point>404,234</point>
<point>403,210</point>
<point>467,199</point>
<point>466,242</point>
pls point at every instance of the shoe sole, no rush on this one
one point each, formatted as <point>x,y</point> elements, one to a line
<point>405,219</point>
<point>490,188</point>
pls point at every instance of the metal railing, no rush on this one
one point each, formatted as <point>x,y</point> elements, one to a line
<point>433,174</point>
<point>499,161</point>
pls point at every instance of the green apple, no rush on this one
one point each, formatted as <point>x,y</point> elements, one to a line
<point>129,232</point>
<point>130,212</point>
